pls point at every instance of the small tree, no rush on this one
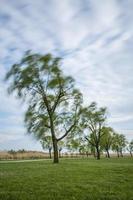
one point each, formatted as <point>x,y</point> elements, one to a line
<point>60,145</point>
<point>122,143</point>
<point>119,143</point>
<point>130,148</point>
<point>53,101</point>
<point>85,147</point>
<point>94,120</point>
<point>115,144</point>
<point>107,139</point>
<point>73,144</point>
<point>46,143</point>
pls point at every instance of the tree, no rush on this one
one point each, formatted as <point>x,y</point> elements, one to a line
<point>85,147</point>
<point>73,144</point>
<point>53,101</point>
<point>46,143</point>
<point>122,143</point>
<point>115,145</point>
<point>119,143</point>
<point>130,148</point>
<point>107,139</point>
<point>94,119</point>
<point>60,145</point>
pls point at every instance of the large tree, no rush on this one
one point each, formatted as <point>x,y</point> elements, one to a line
<point>53,101</point>
<point>94,119</point>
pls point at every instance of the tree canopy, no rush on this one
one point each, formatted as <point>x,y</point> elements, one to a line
<point>53,101</point>
<point>94,119</point>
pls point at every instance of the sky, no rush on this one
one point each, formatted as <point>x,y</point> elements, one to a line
<point>94,39</point>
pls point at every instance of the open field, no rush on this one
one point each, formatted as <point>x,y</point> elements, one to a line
<point>4,155</point>
<point>72,179</point>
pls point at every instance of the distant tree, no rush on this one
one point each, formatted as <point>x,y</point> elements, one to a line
<point>115,144</point>
<point>53,102</point>
<point>73,144</point>
<point>13,153</point>
<point>119,143</point>
<point>61,144</point>
<point>94,119</point>
<point>130,148</point>
<point>21,151</point>
<point>122,143</point>
<point>85,147</point>
<point>107,139</point>
<point>46,143</point>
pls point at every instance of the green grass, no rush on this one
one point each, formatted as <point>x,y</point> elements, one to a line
<point>72,179</point>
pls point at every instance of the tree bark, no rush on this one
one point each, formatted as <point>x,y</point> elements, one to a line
<point>121,153</point>
<point>55,142</point>
<point>59,153</point>
<point>118,154</point>
<point>108,155</point>
<point>55,147</point>
<point>131,154</point>
<point>50,156</point>
<point>97,153</point>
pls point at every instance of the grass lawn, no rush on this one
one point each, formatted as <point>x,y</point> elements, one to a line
<point>71,179</point>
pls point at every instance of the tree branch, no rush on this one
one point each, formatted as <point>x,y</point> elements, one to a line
<point>67,131</point>
<point>89,141</point>
<point>59,96</point>
<point>44,98</point>
<point>47,126</point>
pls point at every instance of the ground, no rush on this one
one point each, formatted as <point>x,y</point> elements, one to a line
<point>71,179</point>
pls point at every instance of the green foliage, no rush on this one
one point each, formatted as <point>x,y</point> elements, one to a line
<point>73,144</point>
<point>53,102</point>
<point>130,147</point>
<point>46,142</point>
<point>107,139</point>
<point>119,143</point>
<point>93,119</point>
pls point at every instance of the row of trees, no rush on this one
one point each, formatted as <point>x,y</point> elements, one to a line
<point>55,108</point>
<point>83,145</point>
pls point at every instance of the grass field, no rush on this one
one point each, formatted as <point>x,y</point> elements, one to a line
<point>72,179</point>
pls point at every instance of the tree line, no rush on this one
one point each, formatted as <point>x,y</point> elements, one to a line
<point>110,141</point>
<point>56,111</point>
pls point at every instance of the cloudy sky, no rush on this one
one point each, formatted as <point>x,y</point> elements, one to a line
<point>95,40</point>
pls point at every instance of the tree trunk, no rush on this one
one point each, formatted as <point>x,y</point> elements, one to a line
<point>131,153</point>
<point>59,153</point>
<point>121,153</point>
<point>50,156</point>
<point>108,155</point>
<point>118,154</point>
<point>54,140</point>
<point>55,147</point>
<point>87,154</point>
<point>97,153</point>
